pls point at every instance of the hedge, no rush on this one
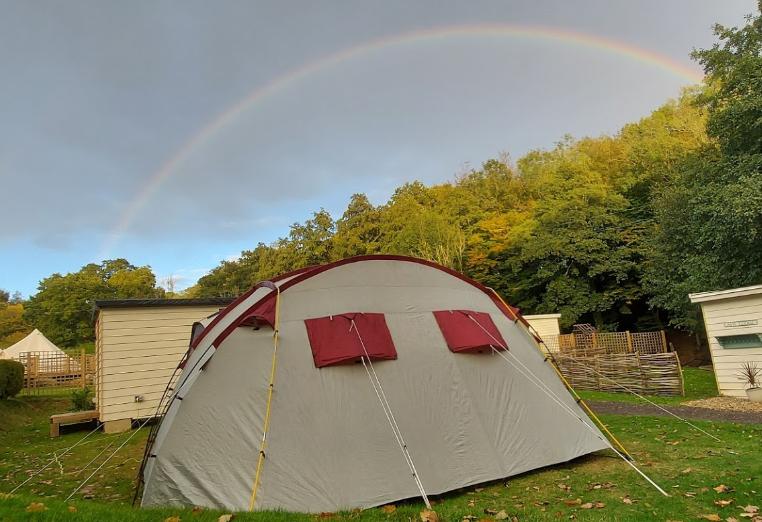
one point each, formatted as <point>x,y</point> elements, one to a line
<point>11,378</point>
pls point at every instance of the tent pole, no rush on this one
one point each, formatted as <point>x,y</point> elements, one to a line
<point>549,357</point>
<point>261,458</point>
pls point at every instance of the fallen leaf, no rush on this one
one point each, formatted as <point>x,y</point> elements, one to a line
<point>72,509</point>
<point>501,515</point>
<point>751,509</point>
<point>575,502</point>
<point>174,518</point>
<point>469,518</point>
<point>36,507</point>
<point>488,511</point>
<point>713,517</point>
<point>225,518</point>
<point>428,515</point>
<point>731,519</point>
<point>389,509</point>
<point>722,488</point>
<point>587,505</point>
<point>627,500</point>
<point>599,505</point>
<point>673,443</point>
<point>686,471</point>
<point>196,510</point>
<point>723,503</point>
<point>564,487</point>
<point>471,503</point>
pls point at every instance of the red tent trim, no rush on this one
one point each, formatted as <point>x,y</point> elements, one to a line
<point>311,272</point>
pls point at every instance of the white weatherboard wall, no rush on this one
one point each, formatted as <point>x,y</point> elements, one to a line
<point>731,312</point>
<point>546,325</point>
<point>138,349</point>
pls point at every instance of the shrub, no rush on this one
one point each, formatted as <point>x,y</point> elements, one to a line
<point>82,400</point>
<point>11,378</point>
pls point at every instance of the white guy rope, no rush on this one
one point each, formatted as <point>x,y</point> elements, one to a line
<point>123,444</point>
<point>636,394</point>
<point>56,457</point>
<point>390,415</point>
<point>543,387</point>
<point>101,452</point>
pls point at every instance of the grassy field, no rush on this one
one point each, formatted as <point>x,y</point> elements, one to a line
<point>686,463</point>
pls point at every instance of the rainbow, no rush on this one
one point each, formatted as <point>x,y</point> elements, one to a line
<point>171,166</point>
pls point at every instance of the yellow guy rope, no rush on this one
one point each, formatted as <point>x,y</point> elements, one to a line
<point>582,403</point>
<point>261,458</point>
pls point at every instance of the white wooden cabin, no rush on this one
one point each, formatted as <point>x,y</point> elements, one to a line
<point>546,325</point>
<point>733,321</point>
<point>138,345</point>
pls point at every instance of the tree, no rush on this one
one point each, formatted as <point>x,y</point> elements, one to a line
<point>63,306</point>
<point>709,233</point>
<point>12,324</point>
<point>568,246</point>
<point>733,67</point>
<point>358,231</point>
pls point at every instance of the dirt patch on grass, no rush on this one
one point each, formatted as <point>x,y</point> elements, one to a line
<point>687,412</point>
<point>726,404</point>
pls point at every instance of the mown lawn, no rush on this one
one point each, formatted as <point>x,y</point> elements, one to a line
<point>699,384</point>
<point>686,463</point>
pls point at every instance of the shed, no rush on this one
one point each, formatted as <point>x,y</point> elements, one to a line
<point>733,322</point>
<point>546,325</point>
<point>138,344</point>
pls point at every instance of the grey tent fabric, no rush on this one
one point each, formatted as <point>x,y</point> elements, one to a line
<point>466,418</point>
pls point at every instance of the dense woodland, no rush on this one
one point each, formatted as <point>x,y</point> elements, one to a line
<point>614,230</point>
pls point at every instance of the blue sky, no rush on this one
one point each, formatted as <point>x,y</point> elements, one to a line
<point>97,95</point>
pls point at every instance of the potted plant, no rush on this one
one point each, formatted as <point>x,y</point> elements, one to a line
<point>750,374</point>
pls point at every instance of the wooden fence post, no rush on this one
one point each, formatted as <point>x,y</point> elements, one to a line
<point>629,342</point>
<point>663,342</point>
<point>82,367</point>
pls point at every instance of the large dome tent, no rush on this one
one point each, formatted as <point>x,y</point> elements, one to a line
<point>358,383</point>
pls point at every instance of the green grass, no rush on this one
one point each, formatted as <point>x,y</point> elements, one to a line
<point>89,348</point>
<point>699,384</point>
<point>686,463</point>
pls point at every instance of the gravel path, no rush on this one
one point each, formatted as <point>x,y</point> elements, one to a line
<point>687,412</point>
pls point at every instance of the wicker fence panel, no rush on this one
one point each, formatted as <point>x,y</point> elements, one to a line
<point>652,374</point>
<point>45,371</point>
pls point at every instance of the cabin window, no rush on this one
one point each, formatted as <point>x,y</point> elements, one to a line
<point>468,331</point>
<point>740,341</point>
<point>345,338</point>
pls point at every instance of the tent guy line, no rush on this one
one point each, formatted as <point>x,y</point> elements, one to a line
<point>389,414</point>
<point>55,458</point>
<point>636,394</point>
<point>534,379</point>
<point>552,395</point>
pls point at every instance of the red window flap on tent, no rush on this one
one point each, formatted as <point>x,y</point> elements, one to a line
<point>262,314</point>
<point>336,339</point>
<point>463,334</point>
